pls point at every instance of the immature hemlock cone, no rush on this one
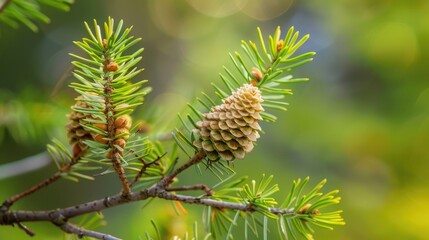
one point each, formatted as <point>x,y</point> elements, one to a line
<point>230,129</point>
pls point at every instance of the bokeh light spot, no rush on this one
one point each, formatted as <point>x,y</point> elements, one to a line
<point>265,10</point>
<point>392,43</point>
<point>217,8</point>
<point>175,19</point>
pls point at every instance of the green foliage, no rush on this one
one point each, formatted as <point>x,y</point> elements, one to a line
<point>69,168</point>
<point>94,79</point>
<point>15,119</point>
<point>108,94</point>
<point>259,197</point>
<point>294,218</point>
<point>272,64</point>
<point>187,236</point>
<point>149,159</point>
<point>24,118</point>
<point>26,12</point>
<point>308,210</point>
<point>267,66</point>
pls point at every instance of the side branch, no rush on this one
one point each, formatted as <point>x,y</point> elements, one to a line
<point>26,229</point>
<point>9,202</point>
<point>81,232</point>
<point>144,168</point>
<point>198,157</point>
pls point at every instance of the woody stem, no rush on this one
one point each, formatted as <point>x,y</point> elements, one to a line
<point>111,128</point>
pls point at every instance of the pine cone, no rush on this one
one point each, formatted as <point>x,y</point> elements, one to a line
<point>230,129</point>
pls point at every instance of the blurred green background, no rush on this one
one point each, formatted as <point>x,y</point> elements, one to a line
<point>362,121</point>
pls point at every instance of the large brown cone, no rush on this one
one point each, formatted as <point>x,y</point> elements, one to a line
<point>230,129</point>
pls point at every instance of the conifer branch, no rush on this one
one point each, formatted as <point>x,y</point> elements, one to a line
<point>27,12</point>
<point>101,122</point>
<point>102,136</point>
<point>111,129</point>
<point>306,213</point>
<point>156,191</point>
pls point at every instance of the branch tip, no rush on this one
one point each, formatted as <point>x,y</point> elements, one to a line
<point>145,166</point>
<point>26,229</point>
<point>81,232</point>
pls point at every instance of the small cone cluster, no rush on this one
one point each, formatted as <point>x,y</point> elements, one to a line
<point>122,133</point>
<point>75,132</point>
<point>229,130</point>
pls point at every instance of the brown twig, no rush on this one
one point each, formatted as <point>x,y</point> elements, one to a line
<point>121,172</point>
<point>11,217</point>
<point>81,232</point>
<point>25,229</point>
<point>9,202</point>
<point>111,129</point>
<point>4,5</point>
<point>198,157</point>
<point>115,153</point>
<point>144,167</point>
<point>202,187</point>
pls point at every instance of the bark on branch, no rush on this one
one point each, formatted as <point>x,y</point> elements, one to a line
<point>81,232</point>
<point>201,187</point>
<point>11,217</point>
<point>160,190</point>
